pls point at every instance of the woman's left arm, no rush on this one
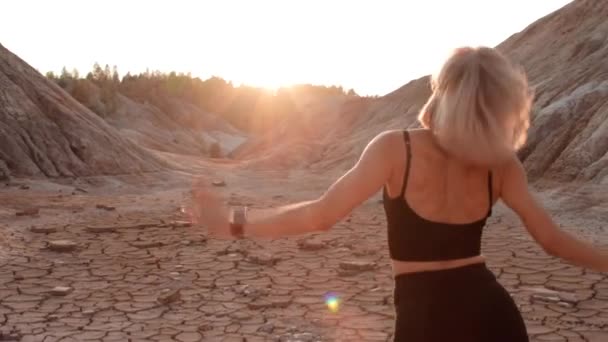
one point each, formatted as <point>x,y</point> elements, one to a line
<point>363,180</point>
<point>369,174</point>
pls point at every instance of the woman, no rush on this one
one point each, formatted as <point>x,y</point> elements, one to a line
<point>439,184</point>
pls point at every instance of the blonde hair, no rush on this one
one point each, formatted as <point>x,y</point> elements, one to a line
<point>480,105</point>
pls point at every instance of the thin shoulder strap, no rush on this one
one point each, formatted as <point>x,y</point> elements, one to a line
<point>490,193</point>
<point>408,160</point>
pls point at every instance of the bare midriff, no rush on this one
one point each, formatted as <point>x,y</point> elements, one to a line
<point>405,267</point>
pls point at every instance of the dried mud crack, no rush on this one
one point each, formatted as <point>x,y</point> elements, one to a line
<point>149,276</point>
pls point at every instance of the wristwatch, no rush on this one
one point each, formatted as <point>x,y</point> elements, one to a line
<point>238,218</point>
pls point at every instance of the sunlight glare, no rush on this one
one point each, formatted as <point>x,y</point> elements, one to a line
<point>371,46</point>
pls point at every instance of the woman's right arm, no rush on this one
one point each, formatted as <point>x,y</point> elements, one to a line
<point>516,195</point>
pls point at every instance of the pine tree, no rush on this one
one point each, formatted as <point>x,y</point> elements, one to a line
<point>115,76</point>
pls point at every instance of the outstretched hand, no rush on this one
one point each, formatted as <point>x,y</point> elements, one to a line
<point>207,209</point>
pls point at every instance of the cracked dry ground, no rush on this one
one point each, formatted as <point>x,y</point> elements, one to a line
<point>137,275</point>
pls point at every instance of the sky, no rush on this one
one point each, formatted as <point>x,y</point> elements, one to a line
<point>373,46</point>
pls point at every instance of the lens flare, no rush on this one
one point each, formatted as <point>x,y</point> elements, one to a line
<point>332,301</point>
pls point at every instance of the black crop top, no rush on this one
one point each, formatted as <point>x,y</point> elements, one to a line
<point>414,238</point>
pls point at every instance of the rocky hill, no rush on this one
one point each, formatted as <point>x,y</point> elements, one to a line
<point>565,55</point>
<point>181,128</point>
<point>45,132</point>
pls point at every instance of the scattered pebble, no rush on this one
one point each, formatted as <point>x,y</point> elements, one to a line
<point>357,265</point>
<point>146,244</point>
<point>267,328</point>
<point>205,327</point>
<point>262,258</point>
<point>100,229</point>
<point>169,296</point>
<point>43,229</point>
<point>61,290</point>
<point>105,207</point>
<point>218,183</point>
<point>62,245</point>
<point>311,245</point>
<point>88,312</point>
<point>180,224</point>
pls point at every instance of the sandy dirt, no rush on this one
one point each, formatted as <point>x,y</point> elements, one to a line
<point>139,272</point>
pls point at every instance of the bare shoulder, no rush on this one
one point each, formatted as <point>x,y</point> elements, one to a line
<point>513,180</point>
<point>394,137</point>
<point>387,140</point>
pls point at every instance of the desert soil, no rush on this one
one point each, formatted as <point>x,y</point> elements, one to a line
<point>112,259</point>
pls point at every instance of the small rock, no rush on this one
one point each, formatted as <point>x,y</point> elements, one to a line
<point>218,183</point>
<point>307,337</point>
<point>240,315</point>
<point>105,207</point>
<point>570,298</point>
<point>52,318</point>
<point>311,245</point>
<point>357,265</point>
<point>252,292</point>
<point>28,212</point>
<point>61,290</point>
<point>280,301</point>
<point>262,258</point>
<point>43,229</point>
<point>146,244</point>
<point>88,312</point>
<point>180,224</point>
<point>62,245</point>
<point>169,296</point>
<point>364,252</point>
<point>266,328</point>
<point>100,229</point>
<point>205,327</point>
<point>546,298</point>
<point>24,187</point>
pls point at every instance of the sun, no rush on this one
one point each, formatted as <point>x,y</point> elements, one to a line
<point>270,82</point>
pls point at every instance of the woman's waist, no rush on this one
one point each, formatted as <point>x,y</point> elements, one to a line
<point>405,268</point>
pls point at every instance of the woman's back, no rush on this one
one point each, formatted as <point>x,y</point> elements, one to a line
<point>440,188</point>
<point>436,206</point>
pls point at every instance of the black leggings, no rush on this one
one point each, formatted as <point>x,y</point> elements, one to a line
<point>460,304</point>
